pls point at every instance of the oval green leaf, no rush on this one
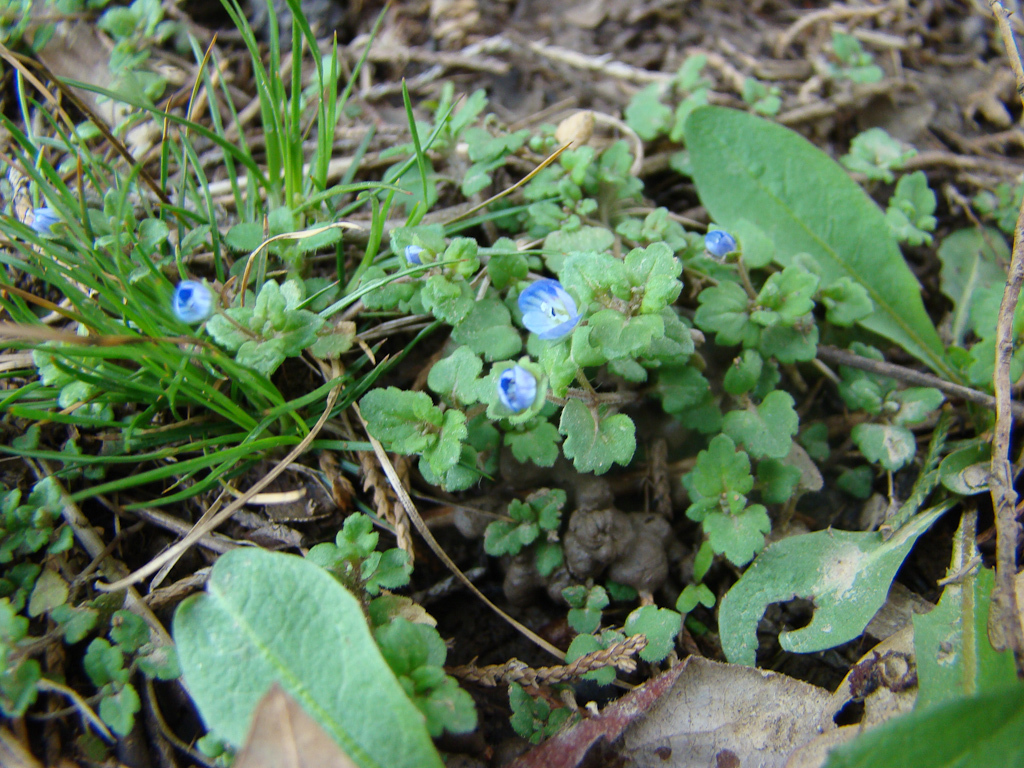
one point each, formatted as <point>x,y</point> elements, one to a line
<point>749,168</point>
<point>268,617</point>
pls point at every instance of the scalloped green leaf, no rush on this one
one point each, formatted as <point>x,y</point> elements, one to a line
<point>749,168</point>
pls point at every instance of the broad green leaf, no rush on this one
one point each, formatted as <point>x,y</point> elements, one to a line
<point>748,168</point>
<point>966,470</point>
<point>765,431</point>
<point>971,260</point>
<point>49,592</point>
<point>846,573</point>
<point>659,625</point>
<point>118,710</point>
<point>593,444</point>
<point>979,731</point>
<point>885,444</point>
<point>738,536</point>
<point>488,331</point>
<point>269,617</point>
<point>538,444</point>
<point>954,655</point>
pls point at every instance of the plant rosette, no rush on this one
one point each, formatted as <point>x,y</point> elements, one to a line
<point>508,385</point>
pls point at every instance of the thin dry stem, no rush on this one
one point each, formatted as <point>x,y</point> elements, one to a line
<point>1005,631</point>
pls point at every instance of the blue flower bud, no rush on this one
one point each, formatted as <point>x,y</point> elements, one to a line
<point>517,388</point>
<point>719,243</point>
<point>192,301</point>
<point>412,254</point>
<point>547,309</point>
<point>44,218</point>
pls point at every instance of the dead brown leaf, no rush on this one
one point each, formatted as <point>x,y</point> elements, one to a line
<point>283,735</point>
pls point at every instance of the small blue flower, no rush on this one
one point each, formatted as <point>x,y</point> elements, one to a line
<point>547,309</point>
<point>44,218</point>
<point>192,301</point>
<point>412,254</point>
<point>517,388</point>
<point>719,243</point>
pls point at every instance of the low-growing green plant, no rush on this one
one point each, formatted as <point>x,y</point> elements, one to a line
<point>854,63</point>
<point>190,372</point>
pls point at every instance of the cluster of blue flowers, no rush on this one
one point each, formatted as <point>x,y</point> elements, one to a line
<point>548,310</point>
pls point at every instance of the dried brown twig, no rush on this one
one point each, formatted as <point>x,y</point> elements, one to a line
<point>1006,631</point>
<point>619,655</point>
<point>837,356</point>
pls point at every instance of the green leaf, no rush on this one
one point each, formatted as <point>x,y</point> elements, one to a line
<point>777,480</point>
<point>561,242</point>
<point>447,300</point>
<point>118,709</point>
<point>857,482</point>
<point>269,617</point>
<point>488,331</point>
<point>129,631</point>
<point>49,592</point>
<point>659,625</point>
<point>966,470</point>
<point>104,663</point>
<point>507,267</point>
<point>548,557</point>
<point>916,403</point>
<point>785,296</point>
<point>720,469</point>
<point>160,663</point>
<point>971,260</point>
<point>446,452</point>
<point>76,623</point>
<point>951,645</point>
<point>767,430</point>
<point>407,422</point>
<point>876,154</point>
<point>725,309</point>
<point>982,730</point>
<point>694,595</point>
<point>647,115</point>
<point>891,446</point>
<point>846,302</point>
<point>655,271</point>
<point>738,536</point>
<point>743,168</point>
<point>744,373</point>
<point>581,645</point>
<point>846,573</point>
<point>538,444</point>
<point>595,444</point>
<point>910,210</point>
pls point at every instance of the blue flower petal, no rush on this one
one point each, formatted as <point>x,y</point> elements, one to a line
<point>517,388</point>
<point>412,254</point>
<point>719,243</point>
<point>548,310</point>
<point>192,301</point>
<point>43,219</point>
